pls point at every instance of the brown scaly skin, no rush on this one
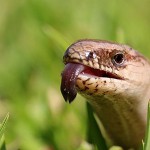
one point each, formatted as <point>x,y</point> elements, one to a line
<point>120,97</point>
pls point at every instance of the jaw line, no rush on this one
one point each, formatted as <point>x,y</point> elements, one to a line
<point>99,73</point>
<point>90,85</point>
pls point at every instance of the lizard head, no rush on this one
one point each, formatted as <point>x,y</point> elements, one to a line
<point>101,68</point>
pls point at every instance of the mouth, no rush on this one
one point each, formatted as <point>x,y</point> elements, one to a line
<point>70,74</point>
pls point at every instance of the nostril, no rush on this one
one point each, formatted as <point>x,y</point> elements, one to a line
<point>90,55</point>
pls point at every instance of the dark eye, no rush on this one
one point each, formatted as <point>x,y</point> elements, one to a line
<point>118,59</point>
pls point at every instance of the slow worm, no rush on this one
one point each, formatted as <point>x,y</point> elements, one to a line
<point>115,80</point>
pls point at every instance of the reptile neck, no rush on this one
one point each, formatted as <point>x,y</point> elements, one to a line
<point>115,113</point>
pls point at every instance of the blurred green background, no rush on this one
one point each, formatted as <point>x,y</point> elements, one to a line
<point>34,34</point>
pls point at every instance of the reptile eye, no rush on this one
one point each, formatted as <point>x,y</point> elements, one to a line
<point>118,59</point>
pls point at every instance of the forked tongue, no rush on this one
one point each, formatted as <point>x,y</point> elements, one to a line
<point>68,81</point>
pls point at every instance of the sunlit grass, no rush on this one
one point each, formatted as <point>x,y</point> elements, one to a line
<point>146,142</point>
<point>2,128</point>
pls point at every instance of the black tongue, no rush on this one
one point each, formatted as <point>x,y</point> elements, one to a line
<point>68,81</point>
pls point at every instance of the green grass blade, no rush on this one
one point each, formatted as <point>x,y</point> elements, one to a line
<point>2,143</point>
<point>94,135</point>
<point>146,143</point>
<point>2,127</point>
<point>56,36</point>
